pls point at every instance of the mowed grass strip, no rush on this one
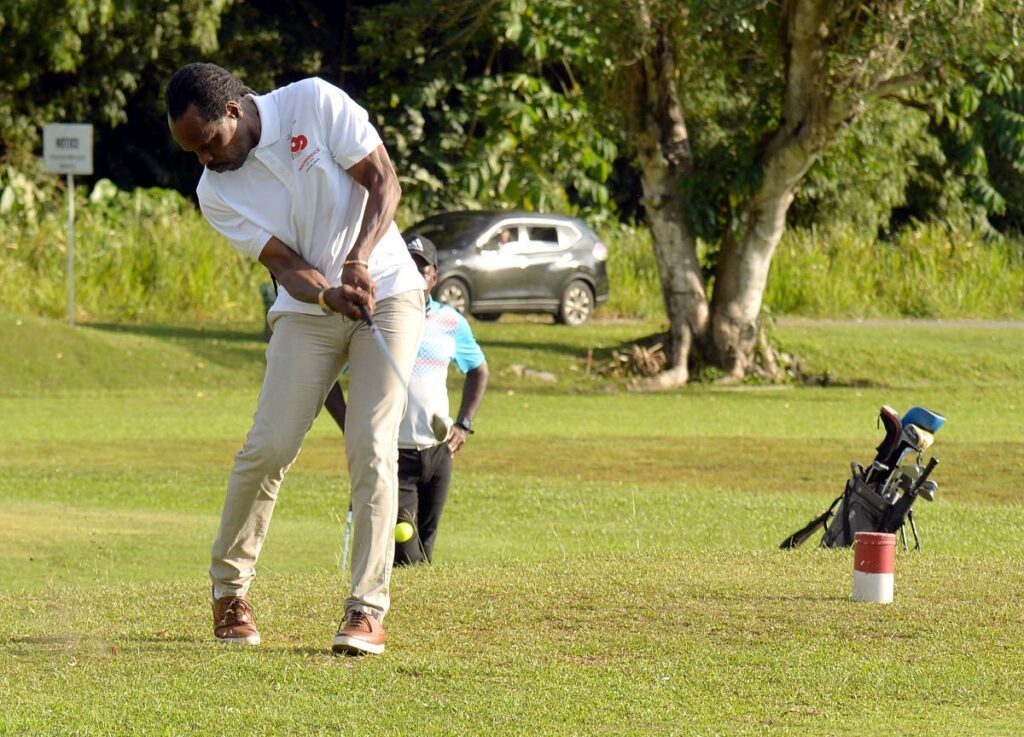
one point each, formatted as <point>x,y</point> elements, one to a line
<point>697,643</point>
<point>109,528</point>
<point>980,471</point>
<point>608,561</point>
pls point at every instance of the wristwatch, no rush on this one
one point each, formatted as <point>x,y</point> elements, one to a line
<point>466,424</point>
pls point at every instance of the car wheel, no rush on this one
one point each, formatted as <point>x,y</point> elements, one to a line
<point>454,293</point>
<point>577,304</point>
<point>487,316</point>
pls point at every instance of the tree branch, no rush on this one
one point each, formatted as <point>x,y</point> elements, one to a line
<point>842,111</point>
<point>803,99</point>
<point>891,86</point>
<point>913,104</point>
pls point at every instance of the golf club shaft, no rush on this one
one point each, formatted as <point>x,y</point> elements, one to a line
<point>380,341</point>
<point>348,535</point>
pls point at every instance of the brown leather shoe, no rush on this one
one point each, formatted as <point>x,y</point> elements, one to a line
<point>360,633</point>
<point>234,621</point>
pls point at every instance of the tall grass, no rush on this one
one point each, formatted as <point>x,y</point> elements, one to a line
<point>634,285</point>
<point>929,271</point>
<point>149,256</point>
<point>141,256</point>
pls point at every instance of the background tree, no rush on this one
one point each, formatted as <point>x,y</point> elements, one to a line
<point>979,121</point>
<point>718,122</point>
<point>68,60</point>
<point>800,72</point>
<point>107,62</point>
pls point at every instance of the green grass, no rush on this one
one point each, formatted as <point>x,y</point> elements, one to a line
<point>607,564</point>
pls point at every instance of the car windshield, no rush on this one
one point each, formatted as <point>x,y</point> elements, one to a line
<point>451,230</point>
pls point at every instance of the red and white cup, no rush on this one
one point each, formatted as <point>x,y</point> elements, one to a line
<point>874,561</point>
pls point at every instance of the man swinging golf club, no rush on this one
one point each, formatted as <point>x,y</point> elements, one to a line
<point>299,179</point>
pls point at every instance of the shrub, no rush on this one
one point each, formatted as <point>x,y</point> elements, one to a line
<point>926,271</point>
<point>144,255</point>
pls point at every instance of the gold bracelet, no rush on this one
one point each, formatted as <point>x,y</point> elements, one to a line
<point>323,302</point>
<point>355,262</point>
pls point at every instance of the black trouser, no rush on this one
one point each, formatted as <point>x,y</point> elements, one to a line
<point>423,478</point>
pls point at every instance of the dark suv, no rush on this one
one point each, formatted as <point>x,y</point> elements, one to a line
<point>495,262</point>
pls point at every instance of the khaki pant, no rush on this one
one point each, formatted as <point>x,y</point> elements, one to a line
<point>304,357</point>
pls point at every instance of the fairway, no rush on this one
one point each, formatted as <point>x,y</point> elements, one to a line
<point>607,564</point>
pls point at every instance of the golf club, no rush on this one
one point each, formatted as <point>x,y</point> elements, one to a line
<point>365,312</point>
<point>344,544</point>
<point>897,513</point>
<point>927,490</point>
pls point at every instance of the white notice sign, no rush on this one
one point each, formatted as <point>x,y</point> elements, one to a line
<point>67,148</point>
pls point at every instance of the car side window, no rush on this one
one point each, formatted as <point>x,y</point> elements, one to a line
<point>537,239</point>
<point>505,238</point>
<point>542,235</point>
<point>567,236</point>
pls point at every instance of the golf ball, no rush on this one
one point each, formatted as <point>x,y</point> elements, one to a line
<point>403,532</point>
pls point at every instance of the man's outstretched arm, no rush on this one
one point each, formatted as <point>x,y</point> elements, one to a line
<point>375,173</point>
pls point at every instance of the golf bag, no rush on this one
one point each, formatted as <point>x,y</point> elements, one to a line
<point>880,498</point>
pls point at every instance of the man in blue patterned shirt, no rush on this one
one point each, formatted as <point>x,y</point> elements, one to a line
<point>428,438</point>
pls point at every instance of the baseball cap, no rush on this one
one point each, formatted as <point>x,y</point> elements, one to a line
<point>424,248</point>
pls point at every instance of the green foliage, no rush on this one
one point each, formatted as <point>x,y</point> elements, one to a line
<point>635,288</point>
<point>507,103</point>
<point>149,255</point>
<point>81,60</point>
<point>928,271</point>
<point>980,122</point>
<point>731,74</point>
<point>481,109</point>
<point>877,155</point>
<point>146,254</point>
<point>23,196</point>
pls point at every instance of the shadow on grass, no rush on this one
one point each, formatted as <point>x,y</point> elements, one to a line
<point>222,346</point>
<point>187,333</point>
<point>566,350</point>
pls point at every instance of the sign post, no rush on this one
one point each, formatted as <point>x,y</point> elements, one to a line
<point>67,149</point>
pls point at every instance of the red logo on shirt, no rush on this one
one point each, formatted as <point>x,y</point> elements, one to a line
<point>298,143</point>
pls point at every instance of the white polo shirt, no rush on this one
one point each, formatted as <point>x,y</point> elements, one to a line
<point>294,185</point>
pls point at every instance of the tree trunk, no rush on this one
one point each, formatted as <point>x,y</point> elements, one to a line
<point>743,264</point>
<point>663,150</point>
<point>741,274</point>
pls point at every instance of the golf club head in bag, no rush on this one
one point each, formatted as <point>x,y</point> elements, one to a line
<point>924,418</point>
<point>927,490</point>
<point>897,513</point>
<point>912,439</point>
<point>890,420</point>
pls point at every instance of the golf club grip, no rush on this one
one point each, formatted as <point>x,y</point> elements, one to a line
<point>365,312</point>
